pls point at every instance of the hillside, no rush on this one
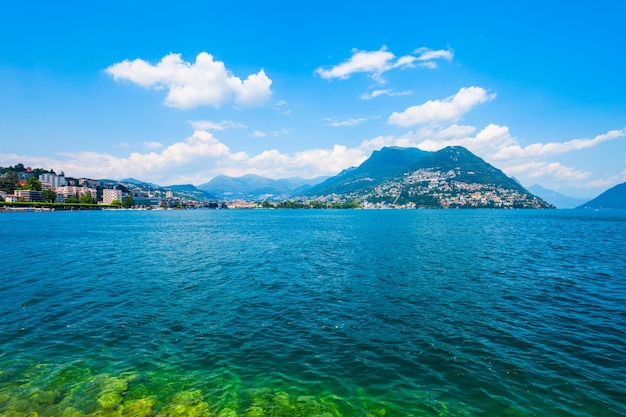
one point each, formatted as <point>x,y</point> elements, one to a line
<point>613,198</point>
<point>381,165</point>
<point>408,177</point>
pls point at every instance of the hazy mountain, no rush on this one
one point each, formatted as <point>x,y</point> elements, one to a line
<point>614,198</point>
<point>256,188</point>
<point>451,177</point>
<point>558,200</point>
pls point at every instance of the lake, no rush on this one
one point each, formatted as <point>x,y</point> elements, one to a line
<point>313,313</point>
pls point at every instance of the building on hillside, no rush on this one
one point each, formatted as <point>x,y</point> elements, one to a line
<point>28,195</point>
<point>50,181</point>
<point>169,194</point>
<point>70,190</point>
<point>25,175</point>
<point>87,182</point>
<point>108,196</point>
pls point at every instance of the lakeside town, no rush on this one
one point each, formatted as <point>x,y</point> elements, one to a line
<point>28,185</point>
<point>48,190</point>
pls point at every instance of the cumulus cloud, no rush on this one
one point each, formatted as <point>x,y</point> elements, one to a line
<point>542,169</point>
<point>347,122</point>
<point>386,92</point>
<point>205,82</point>
<point>375,63</point>
<point>554,148</point>
<point>209,125</point>
<point>437,111</point>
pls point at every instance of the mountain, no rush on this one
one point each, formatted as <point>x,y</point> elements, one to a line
<point>186,191</point>
<point>409,177</point>
<point>381,165</point>
<point>139,183</point>
<point>190,192</point>
<point>256,188</point>
<point>558,200</point>
<point>614,198</point>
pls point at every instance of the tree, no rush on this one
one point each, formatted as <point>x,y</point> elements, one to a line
<point>8,182</point>
<point>49,196</point>
<point>87,199</point>
<point>33,184</point>
<point>129,201</point>
<point>75,199</point>
<point>117,203</point>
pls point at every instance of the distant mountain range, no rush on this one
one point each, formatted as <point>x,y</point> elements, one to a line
<point>558,200</point>
<point>256,188</point>
<point>186,191</point>
<point>613,198</point>
<point>392,176</point>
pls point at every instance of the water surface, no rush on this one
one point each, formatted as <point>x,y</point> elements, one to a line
<point>313,313</point>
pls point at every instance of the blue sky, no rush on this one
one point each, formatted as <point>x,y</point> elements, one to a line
<point>180,92</point>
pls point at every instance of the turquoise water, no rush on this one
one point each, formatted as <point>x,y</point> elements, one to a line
<point>313,313</point>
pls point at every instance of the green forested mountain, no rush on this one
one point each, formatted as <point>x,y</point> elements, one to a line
<point>451,177</point>
<point>381,165</point>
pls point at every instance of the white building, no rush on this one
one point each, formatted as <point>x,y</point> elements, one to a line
<point>109,195</point>
<point>70,190</point>
<point>53,180</point>
<point>28,195</point>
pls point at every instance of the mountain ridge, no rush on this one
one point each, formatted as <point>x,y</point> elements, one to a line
<point>613,198</point>
<point>451,177</point>
<point>555,198</point>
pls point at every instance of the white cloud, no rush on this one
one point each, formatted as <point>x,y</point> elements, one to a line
<point>281,132</point>
<point>609,181</point>
<point>203,83</point>
<point>554,148</point>
<point>386,92</point>
<point>427,54</point>
<point>375,63</point>
<point>348,122</point>
<point>542,169</point>
<point>258,134</point>
<point>436,111</point>
<point>209,125</point>
<point>152,145</point>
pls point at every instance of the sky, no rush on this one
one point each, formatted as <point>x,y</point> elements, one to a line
<point>181,92</point>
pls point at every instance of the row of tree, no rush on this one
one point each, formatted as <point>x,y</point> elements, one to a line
<point>310,204</point>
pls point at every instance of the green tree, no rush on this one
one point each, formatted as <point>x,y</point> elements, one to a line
<point>117,203</point>
<point>49,196</point>
<point>8,182</point>
<point>129,201</point>
<point>33,184</point>
<point>87,199</point>
<point>75,199</point>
